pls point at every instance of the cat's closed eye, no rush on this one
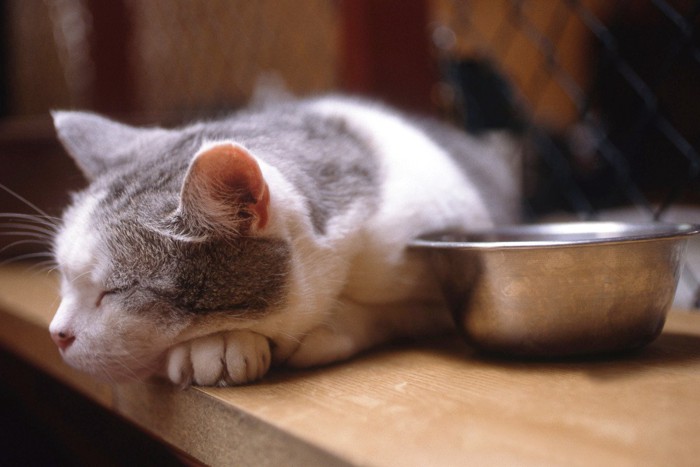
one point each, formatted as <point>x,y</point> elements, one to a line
<point>104,294</point>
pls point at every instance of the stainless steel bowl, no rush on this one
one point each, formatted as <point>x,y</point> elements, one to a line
<point>565,289</point>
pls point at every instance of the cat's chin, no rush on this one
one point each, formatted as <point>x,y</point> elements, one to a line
<point>115,371</point>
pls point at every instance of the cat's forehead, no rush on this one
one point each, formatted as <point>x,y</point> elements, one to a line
<point>77,243</point>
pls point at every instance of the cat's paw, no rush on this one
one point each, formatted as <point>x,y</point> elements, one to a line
<point>226,359</point>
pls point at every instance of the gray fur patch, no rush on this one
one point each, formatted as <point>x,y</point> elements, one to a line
<point>245,277</point>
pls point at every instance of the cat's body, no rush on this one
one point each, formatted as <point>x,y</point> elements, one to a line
<point>277,235</point>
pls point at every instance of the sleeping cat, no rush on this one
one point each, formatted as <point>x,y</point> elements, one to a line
<point>208,253</point>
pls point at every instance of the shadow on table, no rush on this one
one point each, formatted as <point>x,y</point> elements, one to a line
<point>671,350</point>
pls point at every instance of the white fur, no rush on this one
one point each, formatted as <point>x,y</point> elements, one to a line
<point>76,252</point>
<point>422,191</point>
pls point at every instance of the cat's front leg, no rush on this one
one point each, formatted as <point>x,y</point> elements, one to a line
<point>223,359</point>
<point>354,327</point>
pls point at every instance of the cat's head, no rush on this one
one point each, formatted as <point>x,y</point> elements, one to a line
<point>172,237</point>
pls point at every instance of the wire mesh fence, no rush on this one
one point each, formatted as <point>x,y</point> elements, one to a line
<point>608,91</point>
<point>605,92</point>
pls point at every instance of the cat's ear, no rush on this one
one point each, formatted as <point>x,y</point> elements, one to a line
<point>225,190</point>
<point>97,143</point>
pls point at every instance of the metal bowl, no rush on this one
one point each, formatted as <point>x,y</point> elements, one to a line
<point>555,290</point>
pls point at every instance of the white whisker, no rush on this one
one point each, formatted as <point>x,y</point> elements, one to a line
<point>24,200</point>
<point>23,228</point>
<point>23,242</point>
<point>52,222</point>
<point>45,240</point>
<point>86,273</point>
<point>46,266</point>
<point>19,258</point>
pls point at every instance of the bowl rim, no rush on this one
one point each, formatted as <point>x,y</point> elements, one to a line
<point>580,233</point>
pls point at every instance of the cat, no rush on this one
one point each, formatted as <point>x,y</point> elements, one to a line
<point>206,254</point>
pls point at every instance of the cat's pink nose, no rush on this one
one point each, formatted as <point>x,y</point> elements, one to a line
<point>62,339</point>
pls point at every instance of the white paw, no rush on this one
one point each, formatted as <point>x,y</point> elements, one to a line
<point>226,359</point>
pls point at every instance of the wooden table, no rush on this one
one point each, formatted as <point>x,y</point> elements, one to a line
<point>415,403</point>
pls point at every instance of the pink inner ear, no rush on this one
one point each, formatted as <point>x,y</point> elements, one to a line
<point>235,177</point>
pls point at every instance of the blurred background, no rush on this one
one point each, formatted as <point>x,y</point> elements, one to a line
<point>604,93</point>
